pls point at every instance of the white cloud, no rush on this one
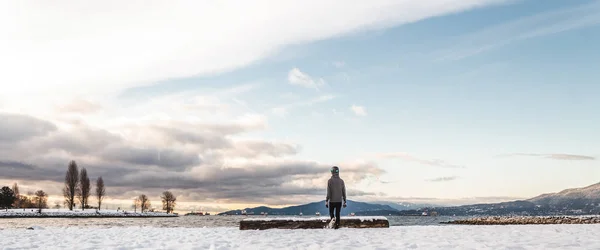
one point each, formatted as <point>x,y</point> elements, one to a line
<point>107,46</point>
<point>297,77</point>
<point>280,111</point>
<point>339,64</point>
<point>80,106</point>
<point>443,179</point>
<point>557,156</point>
<point>537,25</point>
<point>359,110</point>
<point>454,202</point>
<point>335,112</point>
<point>408,157</point>
<point>284,109</point>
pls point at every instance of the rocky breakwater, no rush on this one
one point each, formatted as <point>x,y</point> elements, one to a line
<point>527,220</point>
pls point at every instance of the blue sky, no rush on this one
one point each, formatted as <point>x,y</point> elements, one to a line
<point>454,104</point>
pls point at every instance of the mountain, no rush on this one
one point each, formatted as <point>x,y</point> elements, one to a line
<point>359,208</point>
<point>574,201</point>
<point>401,206</point>
<point>589,194</point>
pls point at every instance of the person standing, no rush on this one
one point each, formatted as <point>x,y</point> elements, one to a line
<point>336,194</point>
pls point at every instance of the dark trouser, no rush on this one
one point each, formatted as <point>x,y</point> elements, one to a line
<point>338,207</point>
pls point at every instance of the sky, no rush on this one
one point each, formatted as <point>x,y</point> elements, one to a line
<point>233,104</point>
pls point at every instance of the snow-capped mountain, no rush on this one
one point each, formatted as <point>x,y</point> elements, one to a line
<point>401,206</point>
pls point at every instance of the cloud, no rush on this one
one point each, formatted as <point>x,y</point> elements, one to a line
<point>359,110</point>
<point>185,157</point>
<point>280,111</point>
<point>80,140</point>
<point>19,170</point>
<point>339,64</point>
<point>556,156</point>
<point>17,127</point>
<point>408,157</point>
<point>115,45</point>
<point>283,110</point>
<point>443,179</point>
<point>297,77</point>
<point>166,158</point>
<point>454,202</point>
<point>254,148</point>
<point>80,106</point>
<point>537,25</point>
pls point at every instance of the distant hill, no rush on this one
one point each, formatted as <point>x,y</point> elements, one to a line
<point>401,206</point>
<point>574,201</point>
<point>359,208</point>
<point>589,194</point>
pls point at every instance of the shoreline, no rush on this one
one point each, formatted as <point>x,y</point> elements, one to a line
<point>88,216</point>
<point>527,220</point>
<point>60,213</point>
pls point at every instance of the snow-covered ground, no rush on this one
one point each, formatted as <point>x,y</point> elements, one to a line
<point>29,212</point>
<point>407,237</point>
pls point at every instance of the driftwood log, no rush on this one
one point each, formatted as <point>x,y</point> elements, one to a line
<point>312,223</point>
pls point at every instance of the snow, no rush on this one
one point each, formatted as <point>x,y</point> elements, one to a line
<point>31,212</point>
<point>322,218</point>
<point>405,237</point>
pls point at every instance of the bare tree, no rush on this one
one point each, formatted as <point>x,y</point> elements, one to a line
<point>17,202</point>
<point>41,200</point>
<point>136,204</point>
<point>25,201</point>
<point>100,191</point>
<point>144,202</point>
<point>57,204</point>
<point>83,192</point>
<point>168,201</point>
<point>71,184</point>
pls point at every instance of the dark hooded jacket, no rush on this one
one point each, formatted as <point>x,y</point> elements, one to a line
<point>336,189</point>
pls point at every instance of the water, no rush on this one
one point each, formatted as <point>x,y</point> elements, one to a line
<point>186,221</point>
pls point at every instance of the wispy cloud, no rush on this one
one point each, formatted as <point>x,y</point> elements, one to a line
<point>297,77</point>
<point>339,64</point>
<point>408,157</point>
<point>244,104</point>
<point>283,110</point>
<point>529,27</point>
<point>359,110</point>
<point>280,111</point>
<point>455,202</point>
<point>443,179</point>
<point>377,179</point>
<point>556,156</point>
<point>79,106</point>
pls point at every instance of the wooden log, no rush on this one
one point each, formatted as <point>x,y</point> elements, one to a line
<point>312,223</point>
